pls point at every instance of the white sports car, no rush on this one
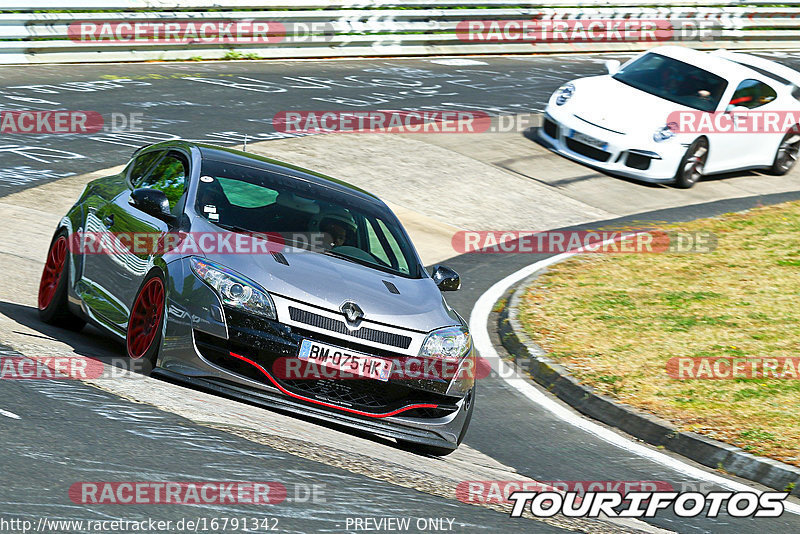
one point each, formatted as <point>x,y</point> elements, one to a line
<point>666,116</point>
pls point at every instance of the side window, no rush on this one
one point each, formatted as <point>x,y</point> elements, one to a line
<point>169,176</point>
<point>141,164</point>
<point>752,94</point>
<point>241,193</point>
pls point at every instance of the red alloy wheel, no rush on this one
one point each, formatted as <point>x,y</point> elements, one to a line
<point>51,275</point>
<point>145,318</point>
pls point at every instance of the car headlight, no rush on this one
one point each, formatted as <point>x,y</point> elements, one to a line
<point>564,93</point>
<point>665,132</point>
<point>234,289</point>
<point>451,343</point>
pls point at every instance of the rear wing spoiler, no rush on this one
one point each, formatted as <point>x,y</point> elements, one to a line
<point>768,68</point>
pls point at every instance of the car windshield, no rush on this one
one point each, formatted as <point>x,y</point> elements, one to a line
<point>307,215</point>
<point>674,80</point>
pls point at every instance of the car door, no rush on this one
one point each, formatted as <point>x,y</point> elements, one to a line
<point>96,282</point>
<point>742,149</point>
<point>133,234</point>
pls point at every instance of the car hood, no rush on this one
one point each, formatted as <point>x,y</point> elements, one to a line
<point>327,282</point>
<point>610,104</point>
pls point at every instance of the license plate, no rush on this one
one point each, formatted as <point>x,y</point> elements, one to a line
<point>588,140</point>
<point>349,363</point>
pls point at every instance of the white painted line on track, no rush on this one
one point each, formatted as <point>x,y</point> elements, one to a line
<point>457,62</point>
<point>478,325</point>
<point>12,415</point>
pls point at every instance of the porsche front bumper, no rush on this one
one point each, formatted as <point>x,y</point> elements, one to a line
<point>629,155</point>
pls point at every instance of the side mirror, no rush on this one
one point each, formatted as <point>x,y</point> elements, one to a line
<point>152,202</point>
<point>446,278</point>
<point>612,66</point>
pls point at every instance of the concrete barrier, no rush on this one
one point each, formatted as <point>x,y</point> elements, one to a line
<point>51,31</point>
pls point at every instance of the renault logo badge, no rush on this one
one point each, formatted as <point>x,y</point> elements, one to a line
<point>352,312</point>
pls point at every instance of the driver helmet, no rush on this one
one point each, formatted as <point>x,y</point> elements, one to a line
<point>327,221</point>
<point>339,216</point>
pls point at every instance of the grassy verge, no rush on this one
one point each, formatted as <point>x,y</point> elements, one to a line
<point>615,320</point>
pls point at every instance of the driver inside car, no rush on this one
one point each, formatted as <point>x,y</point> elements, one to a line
<point>338,227</point>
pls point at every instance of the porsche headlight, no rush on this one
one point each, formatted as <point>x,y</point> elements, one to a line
<point>234,289</point>
<point>451,343</point>
<point>665,132</point>
<point>564,93</point>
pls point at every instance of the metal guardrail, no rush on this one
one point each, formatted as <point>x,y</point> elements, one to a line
<point>47,31</point>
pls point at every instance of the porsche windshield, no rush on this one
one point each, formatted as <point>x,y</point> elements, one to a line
<point>308,215</point>
<point>674,80</point>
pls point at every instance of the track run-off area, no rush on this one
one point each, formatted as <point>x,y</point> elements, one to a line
<point>127,428</point>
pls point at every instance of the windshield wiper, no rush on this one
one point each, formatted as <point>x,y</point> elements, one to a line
<point>357,261</point>
<point>345,257</point>
<point>234,228</point>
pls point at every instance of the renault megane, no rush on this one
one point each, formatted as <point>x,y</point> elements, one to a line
<point>351,329</point>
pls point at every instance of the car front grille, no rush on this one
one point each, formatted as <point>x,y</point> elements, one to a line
<point>551,129</point>
<point>638,161</point>
<point>362,394</point>
<point>334,325</point>
<point>587,151</point>
<point>372,396</point>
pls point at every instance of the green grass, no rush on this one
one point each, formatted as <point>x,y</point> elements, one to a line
<point>616,320</point>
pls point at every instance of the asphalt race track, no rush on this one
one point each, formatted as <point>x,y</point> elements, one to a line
<point>56,433</point>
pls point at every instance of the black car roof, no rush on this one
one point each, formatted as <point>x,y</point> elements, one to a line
<point>228,155</point>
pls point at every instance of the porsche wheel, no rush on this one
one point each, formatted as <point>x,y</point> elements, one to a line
<point>144,325</point>
<point>786,156</point>
<point>691,167</point>
<point>52,299</point>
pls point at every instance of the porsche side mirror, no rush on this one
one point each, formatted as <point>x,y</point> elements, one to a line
<point>446,278</point>
<point>153,202</point>
<point>612,66</point>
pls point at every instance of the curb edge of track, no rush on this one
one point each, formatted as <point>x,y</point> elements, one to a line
<point>637,423</point>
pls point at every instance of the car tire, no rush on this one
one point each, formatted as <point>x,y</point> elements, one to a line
<point>690,169</point>
<point>432,450</point>
<point>143,338</point>
<point>787,153</point>
<point>52,297</point>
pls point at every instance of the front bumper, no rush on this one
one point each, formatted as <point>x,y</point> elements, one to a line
<point>438,433</point>
<point>237,358</point>
<point>628,155</point>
